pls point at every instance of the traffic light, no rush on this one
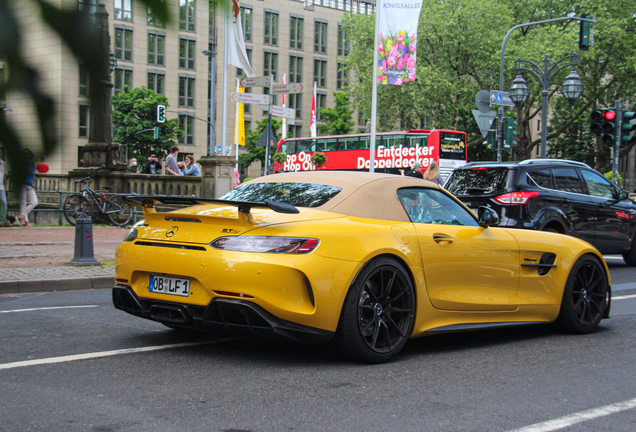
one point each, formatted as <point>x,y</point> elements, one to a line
<point>608,128</point>
<point>585,30</point>
<point>157,131</point>
<point>597,118</point>
<point>509,132</point>
<point>491,140</point>
<point>161,113</point>
<point>627,127</point>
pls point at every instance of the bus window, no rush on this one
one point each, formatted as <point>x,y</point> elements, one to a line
<point>349,143</point>
<point>327,144</point>
<point>393,141</point>
<point>284,146</point>
<point>306,145</point>
<point>366,140</point>
<point>419,140</point>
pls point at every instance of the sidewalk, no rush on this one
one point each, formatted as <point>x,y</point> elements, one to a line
<point>34,259</point>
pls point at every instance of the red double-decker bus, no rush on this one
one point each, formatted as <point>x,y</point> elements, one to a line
<point>393,151</point>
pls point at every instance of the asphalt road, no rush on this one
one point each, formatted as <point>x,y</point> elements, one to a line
<point>69,361</point>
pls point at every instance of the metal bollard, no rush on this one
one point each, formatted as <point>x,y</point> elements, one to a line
<point>84,243</point>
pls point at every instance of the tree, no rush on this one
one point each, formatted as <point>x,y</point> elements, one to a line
<point>338,120</point>
<point>136,110</point>
<point>318,159</point>
<point>257,153</point>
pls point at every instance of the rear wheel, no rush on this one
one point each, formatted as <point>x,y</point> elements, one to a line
<point>630,257</point>
<point>119,212</point>
<point>585,296</point>
<point>378,313</point>
<point>75,206</point>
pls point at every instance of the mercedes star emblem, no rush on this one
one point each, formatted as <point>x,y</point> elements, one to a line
<point>172,231</point>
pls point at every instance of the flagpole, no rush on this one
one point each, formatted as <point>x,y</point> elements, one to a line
<point>374,96</point>
<point>226,25</point>
<point>236,125</point>
<point>284,132</point>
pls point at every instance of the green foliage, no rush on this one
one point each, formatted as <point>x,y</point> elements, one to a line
<point>610,176</point>
<point>280,157</point>
<point>254,152</point>
<point>136,110</point>
<point>338,120</point>
<point>318,159</point>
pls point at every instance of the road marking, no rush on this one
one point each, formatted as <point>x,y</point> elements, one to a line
<point>563,422</point>
<point>624,297</point>
<point>94,355</point>
<point>47,308</point>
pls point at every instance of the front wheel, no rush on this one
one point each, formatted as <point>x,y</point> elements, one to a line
<point>118,211</point>
<point>378,312</point>
<point>76,206</point>
<point>585,296</point>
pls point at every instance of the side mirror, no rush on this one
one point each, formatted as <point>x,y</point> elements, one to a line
<point>623,195</point>
<point>487,217</point>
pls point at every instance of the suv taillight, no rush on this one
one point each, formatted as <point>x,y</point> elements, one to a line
<point>519,198</point>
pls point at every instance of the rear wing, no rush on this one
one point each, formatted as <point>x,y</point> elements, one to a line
<point>147,202</point>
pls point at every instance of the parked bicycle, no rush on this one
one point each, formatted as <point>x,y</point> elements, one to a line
<point>113,210</point>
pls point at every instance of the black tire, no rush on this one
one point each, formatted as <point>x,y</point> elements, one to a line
<point>585,296</point>
<point>75,206</point>
<point>378,313</point>
<point>552,230</point>
<point>630,257</point>
<point>122,211</point>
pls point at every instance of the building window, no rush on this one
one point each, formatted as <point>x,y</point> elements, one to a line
<point>296,32</point>
<point>343,77</point>
<point>248,125</point>
<point>271,28</point>
<point>123,77</point>
<point>362,121</point>
<point>295,101</point>
<point>84,120</point>
<point>186,15</point>
<point>153,20</point>
<point>83,80</point>
<point>295,69</point>
<point>247,107</point>
<point>320,72</point>
<point>123,10</point>
<point>343,41</point>
<point>187,126</point>
<point>186,92</point>
<point>89,5</point>
<point>186,53</point>
<point>156,49</point>
<point>123,44</point>
<point>320,37</point>
<point>295,131</point>
<point>246,22</point>
<point>321,102</point>
<point>270,64</point>
<point>156,82</point>
<point>239,71</point>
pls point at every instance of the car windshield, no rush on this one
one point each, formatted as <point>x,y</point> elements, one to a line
<point>296,194</point>
<point>477,181</point>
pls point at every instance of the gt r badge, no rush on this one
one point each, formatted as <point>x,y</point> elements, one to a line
<point>172,231</point>
<point>230,230</point>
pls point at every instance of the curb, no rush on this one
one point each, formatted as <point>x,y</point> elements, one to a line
<point>47,285</point>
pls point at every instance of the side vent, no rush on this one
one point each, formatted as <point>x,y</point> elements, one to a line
<point>545,264</point>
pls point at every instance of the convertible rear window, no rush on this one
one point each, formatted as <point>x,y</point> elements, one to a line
<point>296,194</point>
<point>478,181</point>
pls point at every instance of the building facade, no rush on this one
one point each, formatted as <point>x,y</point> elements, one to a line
<point>300,39</point>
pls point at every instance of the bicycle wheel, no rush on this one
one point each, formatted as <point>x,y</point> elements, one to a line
<point>75,206</point>
<point>119,213</point>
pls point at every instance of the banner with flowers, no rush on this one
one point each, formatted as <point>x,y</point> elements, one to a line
<point>397,40</point>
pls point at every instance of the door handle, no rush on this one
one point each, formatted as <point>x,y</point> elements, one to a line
<point>442,239</point>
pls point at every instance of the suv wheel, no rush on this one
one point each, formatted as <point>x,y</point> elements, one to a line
<point>630,257</point>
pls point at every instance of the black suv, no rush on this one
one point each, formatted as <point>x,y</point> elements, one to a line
<point>552,195</point>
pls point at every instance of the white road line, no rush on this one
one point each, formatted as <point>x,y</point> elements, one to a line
<point>624,297</point>
<point>94,355</point>
<point>47,308</point>
<point>563,422</point>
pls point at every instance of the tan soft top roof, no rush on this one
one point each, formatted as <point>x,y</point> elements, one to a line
<point>364,194</point>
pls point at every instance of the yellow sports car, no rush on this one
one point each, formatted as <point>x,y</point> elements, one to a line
<point>368,259</point>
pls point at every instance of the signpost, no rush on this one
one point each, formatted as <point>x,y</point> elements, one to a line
<point>251,98</point>
<point>287,88</point>
<point>255,82</point>
<point>500,98</point>
<point>279,111</point>
<point>484,121</point>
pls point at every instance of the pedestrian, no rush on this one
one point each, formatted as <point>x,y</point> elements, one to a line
<point>237,178</point>
<point>152,166</point>
<point>132,167</point>
<point>172,168</point>
<point>28,191</point>
<point>4,222</point>
<point>432,174</point>
<point>42,168</point>
<point>416,170</point>
<point>191,168</point>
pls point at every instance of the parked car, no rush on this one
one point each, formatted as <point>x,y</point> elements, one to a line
<point>370,259</point>
<point>553,195</point>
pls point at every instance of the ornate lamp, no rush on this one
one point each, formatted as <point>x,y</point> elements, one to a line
<point>572,87</point>
<point>519,91</point>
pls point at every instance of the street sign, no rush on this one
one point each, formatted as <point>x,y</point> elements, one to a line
<point>287,88</point>
<point>279,111</point>
<point>484,121</point>
<point>263,107</point>
<point>482,100</point>
<point>250,98</point>
<point>256,82</point>
<point>500,98</point>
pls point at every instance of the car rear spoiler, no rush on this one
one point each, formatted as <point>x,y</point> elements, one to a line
<point>147,202</point>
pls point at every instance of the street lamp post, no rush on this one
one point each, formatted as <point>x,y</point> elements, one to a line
<point>572,88</point>
<point>212,56</point>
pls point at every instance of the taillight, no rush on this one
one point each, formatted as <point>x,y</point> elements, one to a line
<point>285,245</point>
<point>519,198</point>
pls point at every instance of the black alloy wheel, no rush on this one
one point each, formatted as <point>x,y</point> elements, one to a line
<point>378,313</point>
<point>76,206</point>
<point>584,297</point>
